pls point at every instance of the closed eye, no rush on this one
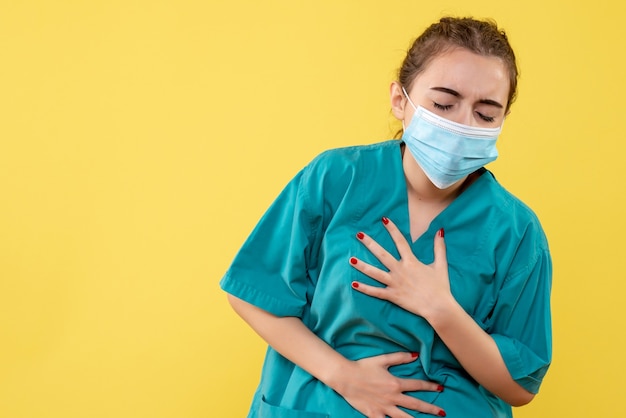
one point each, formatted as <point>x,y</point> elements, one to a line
<point>441,107</point>
<point>485,117</point>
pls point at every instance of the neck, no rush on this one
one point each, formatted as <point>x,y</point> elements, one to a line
<point>421,188</point>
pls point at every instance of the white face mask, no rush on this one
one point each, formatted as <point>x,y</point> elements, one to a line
<point>448,151</point>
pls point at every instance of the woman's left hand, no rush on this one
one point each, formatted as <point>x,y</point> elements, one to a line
<point>417,287</point>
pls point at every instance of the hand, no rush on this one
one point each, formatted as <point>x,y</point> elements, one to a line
<point>372,390</point>
<point>409,283</point>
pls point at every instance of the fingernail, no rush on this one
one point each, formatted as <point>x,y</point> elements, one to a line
<point>415,355</point>
<point>355,285</point>
<point>360,235</point>
<point>385,220</point>
<point>441,234</point>
<point>442,413</point>
<point>353,260</point>
<point>440,388</point>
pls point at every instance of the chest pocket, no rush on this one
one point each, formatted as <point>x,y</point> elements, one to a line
<point>472,285</point>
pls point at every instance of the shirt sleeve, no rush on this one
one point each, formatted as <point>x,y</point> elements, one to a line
<point>270,269</point>
<point>520,322</point>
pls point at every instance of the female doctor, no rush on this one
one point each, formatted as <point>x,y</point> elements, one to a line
<point>400,278</point>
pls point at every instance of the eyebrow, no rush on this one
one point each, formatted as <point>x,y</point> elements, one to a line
<point>457,94</point>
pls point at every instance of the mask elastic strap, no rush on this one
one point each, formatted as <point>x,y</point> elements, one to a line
<point>408,98</point>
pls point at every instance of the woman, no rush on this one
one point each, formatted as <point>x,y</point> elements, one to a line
<point>400,279</point>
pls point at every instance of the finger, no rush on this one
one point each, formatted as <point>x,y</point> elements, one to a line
<point>398,413</point>
<point>400,357</point>
<point>441,257</point>
<point>379,252</point>
<point>413,385</point>
<point>404,249</point>
<point>373,291</point>
<point>415,404</point>
<point>369,270</point>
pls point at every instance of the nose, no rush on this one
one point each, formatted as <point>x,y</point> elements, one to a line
<point>466,117</point>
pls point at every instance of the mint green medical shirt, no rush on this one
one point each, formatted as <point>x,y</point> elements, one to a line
<point>295,263</point>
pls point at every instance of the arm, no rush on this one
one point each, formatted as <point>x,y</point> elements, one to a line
<point>476,351</point>
<point>425,291</point>
<point>366,384</point>
<point>293,340</point>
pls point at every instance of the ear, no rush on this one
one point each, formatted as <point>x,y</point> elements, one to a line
<point>398,100</point>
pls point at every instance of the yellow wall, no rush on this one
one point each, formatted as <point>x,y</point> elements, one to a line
<point>140,141</point>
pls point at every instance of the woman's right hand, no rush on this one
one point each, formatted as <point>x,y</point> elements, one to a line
<point>370,388</point>
<point>366,384</point>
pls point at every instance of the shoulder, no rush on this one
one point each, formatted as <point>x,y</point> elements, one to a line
<point>516,218</point>
<point>342,165</point>
<point>351,156</point>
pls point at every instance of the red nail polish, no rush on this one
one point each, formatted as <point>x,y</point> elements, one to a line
<point>442,413</point>
<point>385,220</point>
<point>440,388</point>
<point>353,260</point>
<point>360,235</point>
<point>415,355</point>
<point>355,285</point>
<point>441,233</point>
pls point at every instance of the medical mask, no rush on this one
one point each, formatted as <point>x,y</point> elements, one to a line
<point>448,151</point>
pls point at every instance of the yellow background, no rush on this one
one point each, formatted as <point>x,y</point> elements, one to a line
<point>140,141</point>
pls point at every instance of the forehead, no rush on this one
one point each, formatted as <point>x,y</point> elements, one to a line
<point>468,73</point>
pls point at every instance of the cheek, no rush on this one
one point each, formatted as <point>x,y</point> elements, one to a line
<point>408,116</point>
